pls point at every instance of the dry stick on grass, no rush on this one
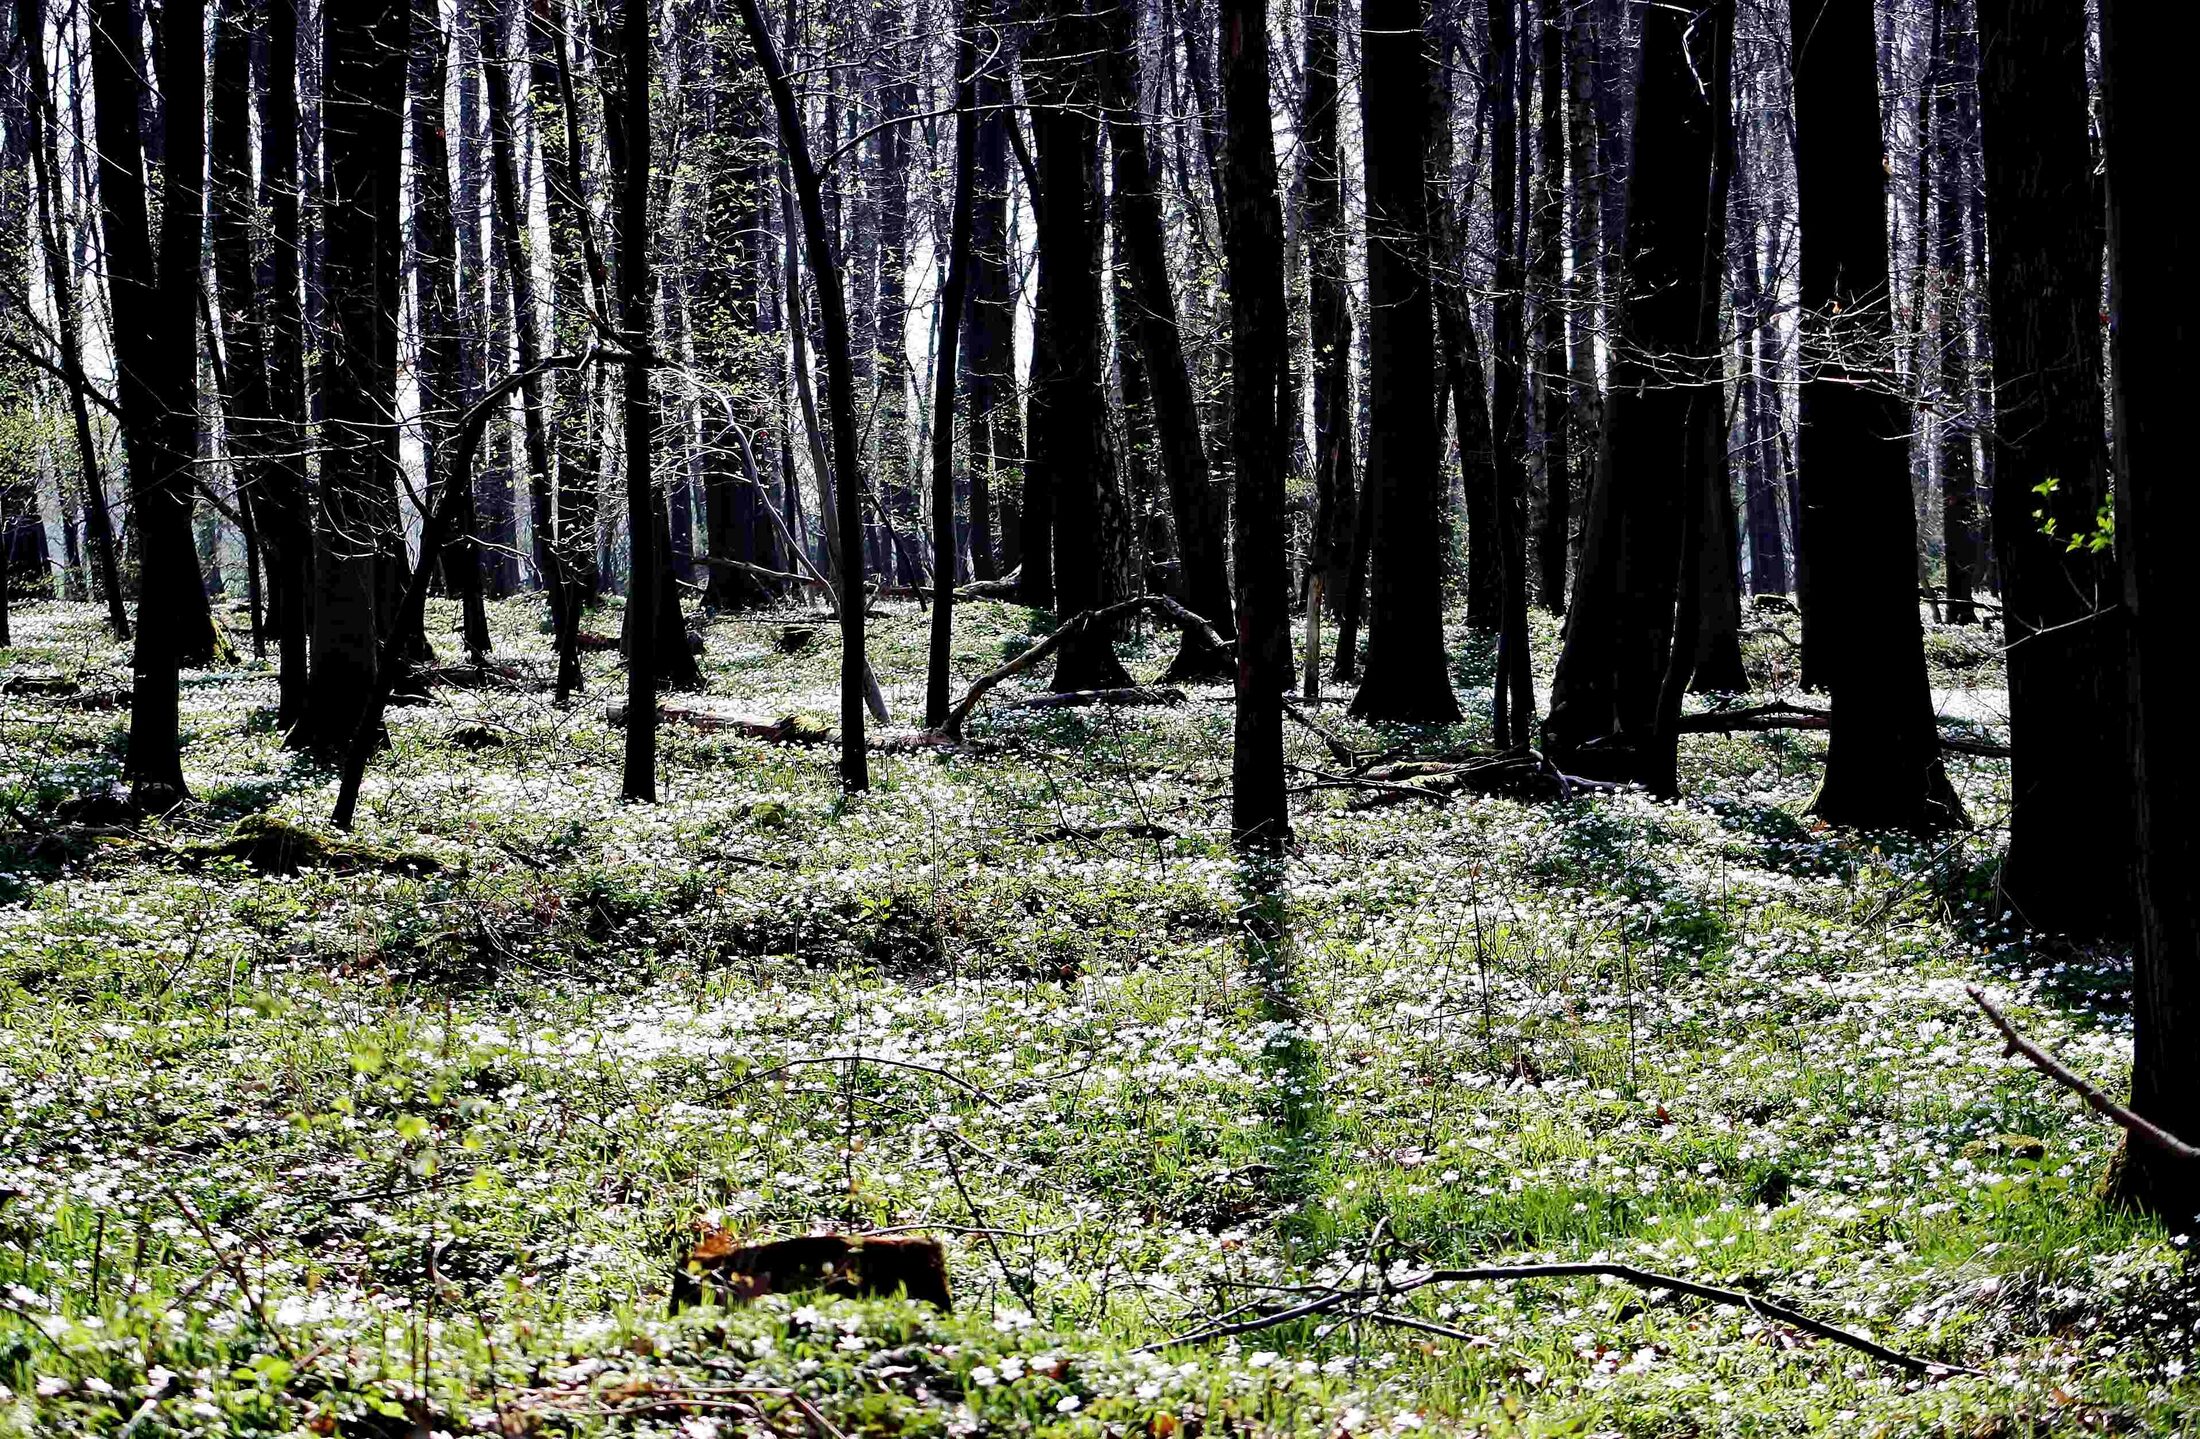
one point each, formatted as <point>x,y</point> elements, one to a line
<point>1162,605</point>
<point>2136,1125</point>
<point>1577,1269</point>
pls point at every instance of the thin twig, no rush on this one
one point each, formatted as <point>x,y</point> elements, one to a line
<point>2091,1093</point>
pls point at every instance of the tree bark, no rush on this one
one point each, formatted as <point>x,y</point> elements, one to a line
<point>1195,501</point>
<point>156,330</point>
<point>1260,432</point>
<point>1408,675</point>
<point>2145,51</point>
<point>1859,527</point>
<point>840,398</point>
<point>953,291</point>
<point>2070,821</point>
<point>1072,453</point>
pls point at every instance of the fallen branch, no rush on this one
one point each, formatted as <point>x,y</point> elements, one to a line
<point>719,562</point>
<point>2136,1125</point>
<point>1081,699</point>
<point>1577,1269</point>
<point>1339,751</point>
<point>957,715</point>
<point>1778,716</point>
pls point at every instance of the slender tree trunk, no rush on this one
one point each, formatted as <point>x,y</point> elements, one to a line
<point>953,291</point>
<point>1553,383</point>
<point>1195,501</point>
<point>840,398</point>
<point>156,330</point>
<point>2146,50</point>
<point>507,226</point>
<point>69,334</point>
<point>627,124</point>
<point>2070,819</point>
<point>288,528</point>
<point>1513,691</point>
<point>1408,676</point>
<point>1329,302</point>
<point>435,301</point>
<point>989,339</point>
<point>1963,540</point>
<point>1859,526</point>
<point>1260,432</point>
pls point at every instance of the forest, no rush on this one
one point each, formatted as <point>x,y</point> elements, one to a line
<point>1134,719</point>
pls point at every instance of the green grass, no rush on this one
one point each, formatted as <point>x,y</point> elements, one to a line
<point>411,1144</point>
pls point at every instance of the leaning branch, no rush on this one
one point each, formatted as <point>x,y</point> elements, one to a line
<point>2138,1126</point>
<point>951,727</point>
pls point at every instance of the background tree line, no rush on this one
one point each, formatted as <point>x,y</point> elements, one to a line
<point>1630,312</point>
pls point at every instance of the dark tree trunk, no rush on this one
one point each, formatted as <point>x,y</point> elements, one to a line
<point>996,436</point>
<point>2146,50</point>
<point>1072,453</point>
<point>896,481</point>
<point>507,226</point>
<point>243,371</point>
<point>1554,376</point>
<point>156,330</point>
<point>726,302</point>
<point>1512,708</point>
<point>1408,675</point>
<point>1260,432</point>
<point>626,115</point>
<point>953,290</point>
<point>1956,127</point>
<point>578,409</point>
<point>1329,303</point>
<point>2070,819</point>
<point>1461,380</point>
<point>1666,401</point>
<point>69,334</point>
<point>1859,526</point>
<point>840,398</point>
<point>1194,500</point>
<point>288,529</point>
<point>363,129</point>
<point>435,301</point>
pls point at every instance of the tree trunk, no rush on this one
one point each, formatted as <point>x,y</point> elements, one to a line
<point>1408,676</point>
<point>953,290</point>
<point>435,301</point>
<point>1194,500</point>
<point>996,448</point>
<point>1666,392</point>
<point>2070,820</point>
<point>61,283</point>
<point>626,116</point>
<point>2146,51</point>
<point>1072,453</point>
<point>1859,526</point>
<point>507,226</point>
<point>363,128</point>
<point>1329,302</point>
<point>840,398</point>
<point>1512,705</point>
<point>156,329</point>
<point>1260,432</point>
<point>1553,384</point>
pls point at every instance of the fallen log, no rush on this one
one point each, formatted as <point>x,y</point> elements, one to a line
<point>1082,699</point>
<point>855,1266</point>
<point>1781,716</point>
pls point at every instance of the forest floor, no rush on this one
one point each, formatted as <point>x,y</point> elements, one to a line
<point>410,1141</point>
